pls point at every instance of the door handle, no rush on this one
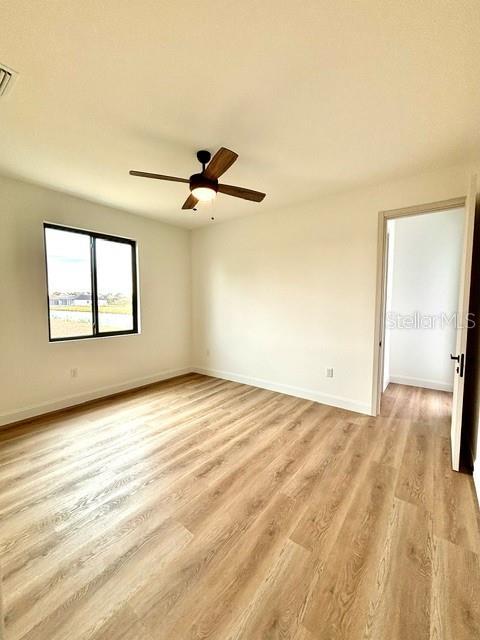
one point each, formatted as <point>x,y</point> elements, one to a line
<point>461,363</point>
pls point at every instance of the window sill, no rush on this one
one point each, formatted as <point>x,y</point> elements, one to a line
<point>99,337</point>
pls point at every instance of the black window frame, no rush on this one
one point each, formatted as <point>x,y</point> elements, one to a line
<point>94,236</point>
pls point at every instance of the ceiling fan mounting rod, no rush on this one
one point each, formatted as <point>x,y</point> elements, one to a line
<point>203,157</point>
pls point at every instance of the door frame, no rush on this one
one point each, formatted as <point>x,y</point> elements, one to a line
<point>379,336</point>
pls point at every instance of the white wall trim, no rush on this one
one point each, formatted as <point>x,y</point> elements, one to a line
<point>476,479</point>
<point>299,392</point>
<point>438,385</point>
<point>70,401</point>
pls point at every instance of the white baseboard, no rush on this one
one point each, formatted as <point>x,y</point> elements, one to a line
<point>438,385</point>
<point>70,401</point>
<point>308,394</point>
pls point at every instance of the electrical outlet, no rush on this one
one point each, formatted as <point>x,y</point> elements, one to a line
<point>329,372</point>
<point>74,372</point>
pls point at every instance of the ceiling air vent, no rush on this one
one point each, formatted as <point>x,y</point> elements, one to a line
<point>7,76</point>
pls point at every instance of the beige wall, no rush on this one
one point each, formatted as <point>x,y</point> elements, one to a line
<point>280,296</point>
<point>35,374</point>
<point>277,297</point>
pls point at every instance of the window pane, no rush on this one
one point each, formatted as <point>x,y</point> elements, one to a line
<point>69,283</point>
<point>114,286</point>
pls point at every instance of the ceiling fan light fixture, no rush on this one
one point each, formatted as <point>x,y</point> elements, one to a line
<point>203,188</point>
<point>204,194</point>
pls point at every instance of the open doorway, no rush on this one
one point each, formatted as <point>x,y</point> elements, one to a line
<point>421,297</point>
<point>421,357</point>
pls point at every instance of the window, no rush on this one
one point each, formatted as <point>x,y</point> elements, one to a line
<point>91,283</point>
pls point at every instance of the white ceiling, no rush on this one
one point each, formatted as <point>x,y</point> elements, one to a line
<point>314,96</point>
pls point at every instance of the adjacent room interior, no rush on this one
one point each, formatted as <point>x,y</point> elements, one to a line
<point>423,275</point>
<point>239,296</point>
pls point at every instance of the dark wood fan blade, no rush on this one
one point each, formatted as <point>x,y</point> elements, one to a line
<point>157,176</point>
<point>190,203</point>
<point>241,192</point>
<point>221,161</point>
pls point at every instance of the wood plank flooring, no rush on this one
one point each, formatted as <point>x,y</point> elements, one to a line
<point>200,508</point>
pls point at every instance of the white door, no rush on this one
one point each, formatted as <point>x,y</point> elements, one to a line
<point>462,324</point>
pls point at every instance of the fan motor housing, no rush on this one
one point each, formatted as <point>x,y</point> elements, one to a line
<point>201,180</point>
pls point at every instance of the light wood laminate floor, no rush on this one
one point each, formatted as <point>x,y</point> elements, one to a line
<point>201,508</point>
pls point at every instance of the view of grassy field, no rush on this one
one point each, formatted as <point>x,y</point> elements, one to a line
<point>124,308</point>
<point>61,329</point>
<point>68,321</point>
<point>71,329</point>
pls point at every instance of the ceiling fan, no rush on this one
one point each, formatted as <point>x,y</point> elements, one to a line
<point>204,186</point>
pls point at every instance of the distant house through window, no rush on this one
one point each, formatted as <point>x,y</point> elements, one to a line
<point>57,299</point>
<point>91,282</point>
